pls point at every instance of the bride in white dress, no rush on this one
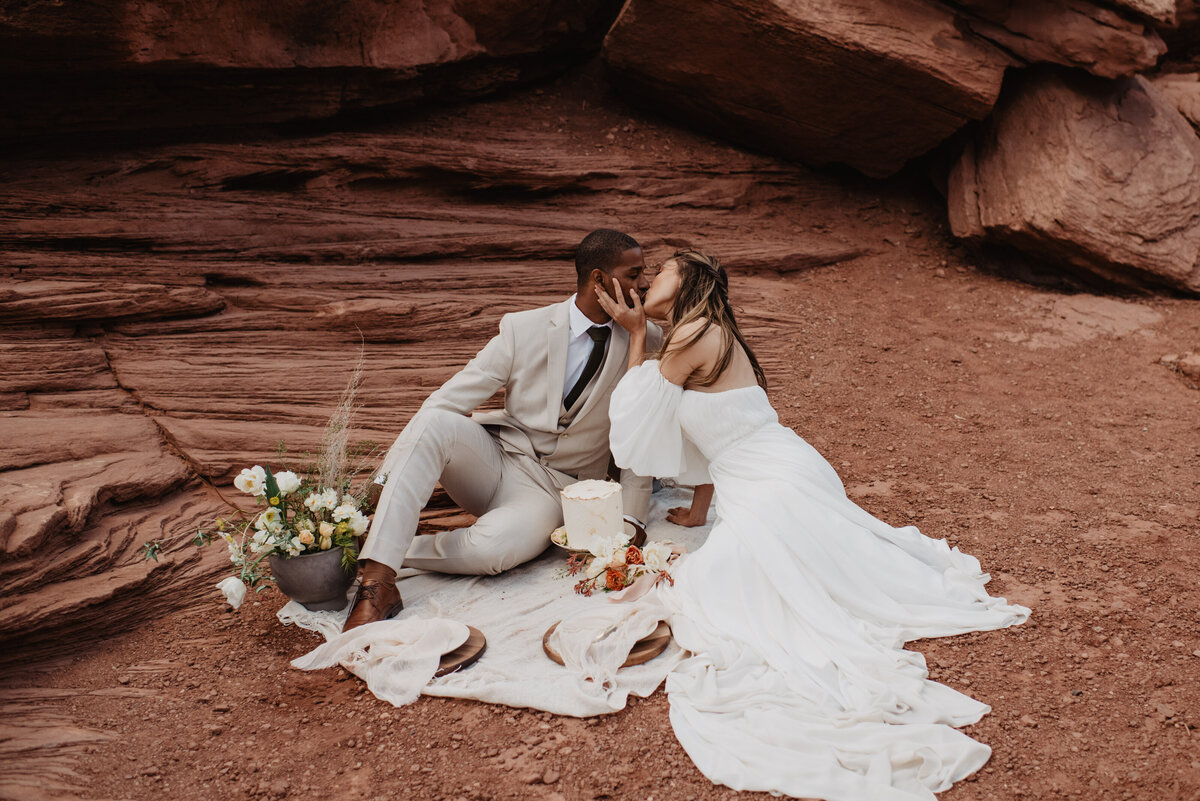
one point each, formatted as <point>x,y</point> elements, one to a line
<point>797,607</point>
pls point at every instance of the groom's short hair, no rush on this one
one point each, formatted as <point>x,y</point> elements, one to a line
<point>601,250</point>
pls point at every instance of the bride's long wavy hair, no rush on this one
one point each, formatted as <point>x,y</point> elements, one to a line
<point>704,294</point>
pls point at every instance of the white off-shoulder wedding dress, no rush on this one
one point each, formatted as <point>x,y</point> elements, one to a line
<point>796,610</point>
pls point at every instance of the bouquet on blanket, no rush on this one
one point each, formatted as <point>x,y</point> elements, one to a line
<point>613,565</point>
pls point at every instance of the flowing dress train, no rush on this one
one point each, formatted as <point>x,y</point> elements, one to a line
<point>796,610</point>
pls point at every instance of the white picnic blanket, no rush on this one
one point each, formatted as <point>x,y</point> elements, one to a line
<point>513,610</point>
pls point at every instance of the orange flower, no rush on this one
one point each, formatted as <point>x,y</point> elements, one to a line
<point>614,578</point>
<point>633,556</point>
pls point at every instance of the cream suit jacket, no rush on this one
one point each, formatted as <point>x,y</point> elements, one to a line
<point>528,360</point>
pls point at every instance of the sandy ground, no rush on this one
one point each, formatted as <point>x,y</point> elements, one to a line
<point>1033,429</point>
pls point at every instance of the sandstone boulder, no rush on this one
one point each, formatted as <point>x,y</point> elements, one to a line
<point>869,84</point>
<point>1182,89</point>
<point>1183,33</point>
<point>1074,33</point>
<point>866,84</point>
<point>1163,11</point>
<point>1099,177</point>
<point>133,65</point>
<point>1186,364</point>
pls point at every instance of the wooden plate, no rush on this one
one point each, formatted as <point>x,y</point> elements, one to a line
<point>464,655</point>
<point>643,650</point>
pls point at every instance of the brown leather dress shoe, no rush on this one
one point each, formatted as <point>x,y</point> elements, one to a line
<point>377,597</point>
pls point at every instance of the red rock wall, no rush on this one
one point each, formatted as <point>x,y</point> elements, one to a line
<point>137,65</point>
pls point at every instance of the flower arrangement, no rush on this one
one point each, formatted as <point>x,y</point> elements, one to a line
<point>318,512</point>
<point>290,526</point>
<point>300,518</point>
<point>614,565</point>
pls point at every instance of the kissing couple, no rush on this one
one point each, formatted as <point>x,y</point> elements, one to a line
<point>796,608</point>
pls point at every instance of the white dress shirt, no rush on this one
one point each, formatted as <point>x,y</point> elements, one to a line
<point>579,346</point>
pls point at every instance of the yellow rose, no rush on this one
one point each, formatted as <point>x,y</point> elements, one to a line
<point>326,529</point>
<point>306,537</point>
<point>326,543</point>
<point>275,500</point>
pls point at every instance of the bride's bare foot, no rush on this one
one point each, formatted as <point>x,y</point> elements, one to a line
<point>687,516</point>
<point>697,514</point>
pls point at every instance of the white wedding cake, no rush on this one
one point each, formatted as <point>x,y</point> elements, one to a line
<point>592,512</point>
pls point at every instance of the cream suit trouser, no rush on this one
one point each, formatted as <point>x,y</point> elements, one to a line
<point>517,508</point>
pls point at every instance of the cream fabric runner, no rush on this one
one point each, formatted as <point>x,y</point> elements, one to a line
<point>513,610</point>
<point>396,658</point>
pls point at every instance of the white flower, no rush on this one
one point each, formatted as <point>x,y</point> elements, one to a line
<point>358,523</point>
<point>602,546</point>
<point>269,520</point>
<point>598,565</point>
<point>343,511</point>
<point>252,480</point>
<point>656,555</point>
<point>350,500</point>
<point>326,499</point>
<point>287,481</point>
<point>234,589</point>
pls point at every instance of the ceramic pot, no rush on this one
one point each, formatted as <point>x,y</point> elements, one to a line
<point>316,580</point>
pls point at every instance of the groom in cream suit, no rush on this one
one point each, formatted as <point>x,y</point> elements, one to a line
<point>557,366</point>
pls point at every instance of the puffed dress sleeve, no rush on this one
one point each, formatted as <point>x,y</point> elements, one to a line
<point>645,433</point>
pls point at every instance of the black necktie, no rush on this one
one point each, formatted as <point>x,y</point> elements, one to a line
<point>599,335</point>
